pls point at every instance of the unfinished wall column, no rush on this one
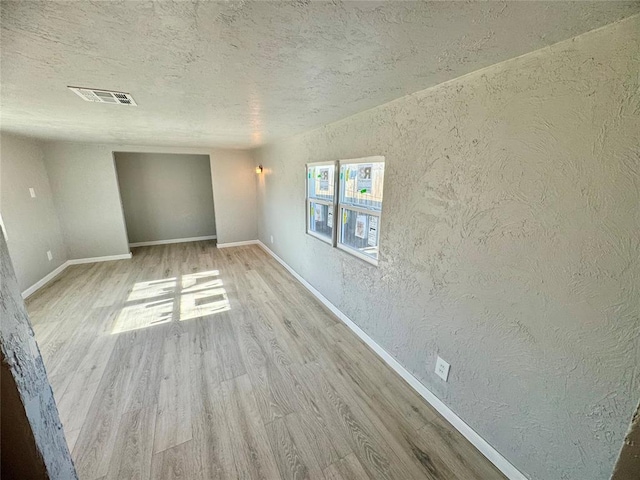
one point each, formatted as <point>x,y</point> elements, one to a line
<point>628,464</point>
<point>33,442</point>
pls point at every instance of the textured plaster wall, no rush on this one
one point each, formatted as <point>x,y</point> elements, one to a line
<point>32,223</point>
<point>509,245</point>
<point>237,73</point>
<point>31,414</point>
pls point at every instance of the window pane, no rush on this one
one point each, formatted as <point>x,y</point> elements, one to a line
<point>360,231</point>
<point>321,219</point>
<point>361,184</point>
<point>320,182</point>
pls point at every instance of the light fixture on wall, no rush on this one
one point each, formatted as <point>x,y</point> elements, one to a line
<point>259,169</point>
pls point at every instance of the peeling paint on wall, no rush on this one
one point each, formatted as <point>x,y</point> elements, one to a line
<point>509,245</point>
<point>23,360</point>
<point>628,464</point>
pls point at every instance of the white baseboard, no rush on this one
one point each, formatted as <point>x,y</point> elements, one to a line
<point>173,240</point>
<point>43,281</point>
<point>476,440</point>
<point>238,244</point>
<point>108,258</point>
<point>76,261</point>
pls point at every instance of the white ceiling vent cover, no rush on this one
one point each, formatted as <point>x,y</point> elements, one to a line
<point>103,96</point>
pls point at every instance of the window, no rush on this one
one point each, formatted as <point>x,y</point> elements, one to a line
<point>355,225</point>
<point>321,200</point>
<point>360,206</point>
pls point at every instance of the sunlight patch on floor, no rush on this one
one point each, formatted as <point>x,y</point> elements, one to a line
<point>195,295</point>
<point>143,315</point>
<point>202,295</point>
<point>152,289</point>
<point>203,303</point>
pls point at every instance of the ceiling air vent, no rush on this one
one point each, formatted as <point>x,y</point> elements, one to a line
<point>103,96</point>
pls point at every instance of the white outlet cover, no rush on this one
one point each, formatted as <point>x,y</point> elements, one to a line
<point>442,369</point>
<point>49,255</point>
<point>271,238</point>
<point>32,192</point>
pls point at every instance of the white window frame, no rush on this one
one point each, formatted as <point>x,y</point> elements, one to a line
<point>340,206</point>
<point>331,204</point>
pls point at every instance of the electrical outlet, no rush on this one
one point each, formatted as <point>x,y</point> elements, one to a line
<point>442,369</point>
<point>49,255</point>
<point>272,239</point>
<point>32,192</point>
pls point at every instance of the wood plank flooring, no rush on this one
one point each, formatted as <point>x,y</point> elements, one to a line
<point>189,362</point>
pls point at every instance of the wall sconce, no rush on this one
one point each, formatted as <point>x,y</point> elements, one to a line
<point>259,169</point>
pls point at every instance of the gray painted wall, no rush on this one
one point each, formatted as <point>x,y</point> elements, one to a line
<point>234,191</point>
<point>30,408</point>
<point>165,196</point>
<point>85,191</point>
<point>32,223</point>
<point>85,188</point>
<point>509,245</point>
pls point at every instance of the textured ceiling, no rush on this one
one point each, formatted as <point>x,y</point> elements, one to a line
<point>238,74</point>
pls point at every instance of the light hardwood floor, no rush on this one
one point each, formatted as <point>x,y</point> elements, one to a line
<point>189,362</point>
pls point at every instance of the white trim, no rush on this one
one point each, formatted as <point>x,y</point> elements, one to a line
<point>366,211</point>
<point>476,440</point>
<point>108,258</point>
<point>173,240</point>
<point>328,241</point>
<point>355,161</point>
<point>352,251</point>
<point>320,201</point>
<point>44,280</point>
<point>238,244</point>
<point>320,164</point>
<point>50,276</point>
